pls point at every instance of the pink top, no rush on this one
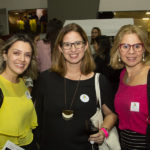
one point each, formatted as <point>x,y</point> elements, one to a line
<point>43,55</point>
<point>131,105</point>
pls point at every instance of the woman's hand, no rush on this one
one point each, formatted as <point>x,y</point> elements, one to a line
<point>98,137</point>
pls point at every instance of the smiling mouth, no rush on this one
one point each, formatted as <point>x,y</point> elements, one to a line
<point>73,55</point>
<point>20,65</point>
<point>131,58</point>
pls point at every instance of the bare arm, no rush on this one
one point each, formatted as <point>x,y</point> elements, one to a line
<point>109,119</point>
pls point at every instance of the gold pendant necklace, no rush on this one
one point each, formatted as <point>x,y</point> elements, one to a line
<point>67,114</point>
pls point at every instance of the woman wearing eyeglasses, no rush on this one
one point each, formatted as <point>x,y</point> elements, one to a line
<point>131,51</point>
<point>65,95</point>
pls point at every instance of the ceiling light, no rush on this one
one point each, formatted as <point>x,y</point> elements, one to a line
<point>115,13</point>
<point>148,13</point>
<point>145,18</point>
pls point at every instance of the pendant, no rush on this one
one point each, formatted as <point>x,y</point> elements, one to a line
<point>67,114</point>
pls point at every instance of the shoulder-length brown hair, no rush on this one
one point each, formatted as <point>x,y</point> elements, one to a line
<point>58,61</point>
<point>32,68</point>
<point>129,29</point>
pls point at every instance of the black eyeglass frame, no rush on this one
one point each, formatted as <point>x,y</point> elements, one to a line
<point>73,43</point>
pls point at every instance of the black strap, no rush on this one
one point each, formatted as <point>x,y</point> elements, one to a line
<point>148,96</point>
<point>1,97</point>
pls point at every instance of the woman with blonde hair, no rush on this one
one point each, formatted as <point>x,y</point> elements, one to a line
<point>131,52</point>
<point>17,113</point>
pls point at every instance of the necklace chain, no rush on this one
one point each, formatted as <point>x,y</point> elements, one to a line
<point>73,98</point>
<point>128,79</point>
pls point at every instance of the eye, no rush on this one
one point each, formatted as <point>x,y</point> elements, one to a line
<point>78,42</point>
<point>137,46</point>
<point>125,46</point>
<point>16,53</point>
<point>66,44</point>
<point>28,55</point>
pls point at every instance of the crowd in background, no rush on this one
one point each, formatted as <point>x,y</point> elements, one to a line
<point>67,61</point>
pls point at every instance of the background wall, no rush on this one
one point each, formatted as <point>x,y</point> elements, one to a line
<point>23,4</point>
<point>72,9</point>
<point>3,21</point>
<point>124,5</point>
<point>108,27</point>
<point>6,5</point>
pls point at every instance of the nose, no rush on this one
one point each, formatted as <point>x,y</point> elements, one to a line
<point>73,48</point>
<point>131,49</point>
<point>22,57</point>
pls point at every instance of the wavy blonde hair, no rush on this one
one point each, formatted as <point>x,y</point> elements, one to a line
<point>129,29</point>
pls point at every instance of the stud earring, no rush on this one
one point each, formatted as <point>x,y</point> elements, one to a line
<point>143,57</point>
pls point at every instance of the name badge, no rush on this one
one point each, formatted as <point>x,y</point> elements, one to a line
<point>28,95</point>
<point>11,146</point>
<point>84,98</point>
<point>135,106</point>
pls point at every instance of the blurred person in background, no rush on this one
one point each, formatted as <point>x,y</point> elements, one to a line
<point>95,32</point>
<point>45,46</point>
<point>102,46</point>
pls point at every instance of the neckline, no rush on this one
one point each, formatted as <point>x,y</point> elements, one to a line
<point>67,79</point>
<point>9,82</point>
<point>132,85</point>
<point>125,84</point>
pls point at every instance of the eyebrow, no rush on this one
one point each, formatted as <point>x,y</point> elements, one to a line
<point>20,50</point>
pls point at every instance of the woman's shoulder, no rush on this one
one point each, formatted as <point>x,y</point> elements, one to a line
<point>148,68</point>
<point>48,74</point>
<point>103,78</point>
<point>123,71</point>
<point>45,73</point>
<point>104,81</point>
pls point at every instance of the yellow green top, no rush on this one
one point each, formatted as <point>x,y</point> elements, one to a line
<point>17,113</point>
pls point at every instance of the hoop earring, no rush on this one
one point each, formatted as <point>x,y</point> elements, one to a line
<point>143,57</point>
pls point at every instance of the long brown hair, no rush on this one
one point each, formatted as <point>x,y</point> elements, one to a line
<point>58,61</point>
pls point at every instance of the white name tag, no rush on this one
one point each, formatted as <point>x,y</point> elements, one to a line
<point>11,146</point>
<point>135,106</point>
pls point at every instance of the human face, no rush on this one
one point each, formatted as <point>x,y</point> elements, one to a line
<point>18,58</point>
<point>94,33</point>
<point>73,55</point>
<point>132,57</point>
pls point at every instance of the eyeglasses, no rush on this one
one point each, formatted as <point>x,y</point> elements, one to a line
<point>77,45</point>
<point>126,47</point>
